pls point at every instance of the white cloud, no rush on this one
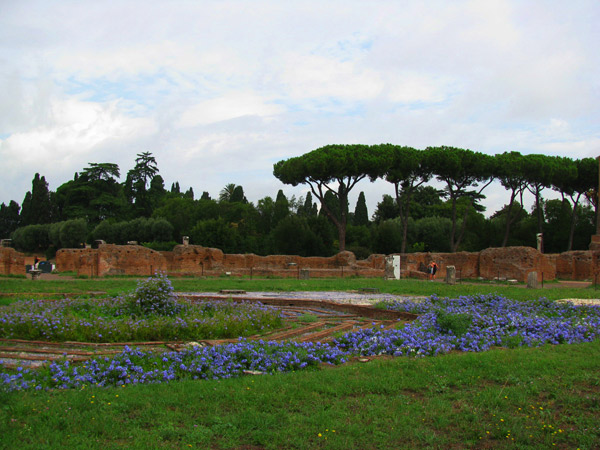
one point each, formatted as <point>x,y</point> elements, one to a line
<point>314,76</point>
<point>228,107</point>
<point>218,91</point>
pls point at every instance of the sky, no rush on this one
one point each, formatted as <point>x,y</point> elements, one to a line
<point>218,91</point>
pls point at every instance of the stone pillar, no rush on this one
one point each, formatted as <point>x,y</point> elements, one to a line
<point>598,200</point>
<point>304,274</point>
<point>450,274</point>
<point>532,280</point>
<point>392,267</point>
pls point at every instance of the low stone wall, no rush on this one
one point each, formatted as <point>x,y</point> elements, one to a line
<point>111,259</point>
<point>11,262</point>
<point>576,265</point>
<point>509,263</point>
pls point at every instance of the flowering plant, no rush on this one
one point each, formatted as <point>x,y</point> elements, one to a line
<point>154,296</point>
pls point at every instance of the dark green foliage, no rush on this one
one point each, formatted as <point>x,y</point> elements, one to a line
<point>93,195</point>
<point>137,184</point>
<point>73,233</point>
<point>140,230</point>
<point>466,174</point>
<point>433,232</point>
<point>358,235</point>
<point>37,207</point>
<point>457,324</point>
<point>281,208</point>
<point>115,211</point>
<point>294,236</point>
<point>9,218</point>
<point>216,233</point>
<point>386,209</point>
<point>31,238</point>
<point>387,237</point>
<point>344,165</point>
<point>308,208</point>
<point>238,195</point>
<point>556,230</point>
<point>361,214</point>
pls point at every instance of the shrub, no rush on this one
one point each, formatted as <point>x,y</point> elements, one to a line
<point>458,324</point>
<point>154,296</point>
<point>73,233</point>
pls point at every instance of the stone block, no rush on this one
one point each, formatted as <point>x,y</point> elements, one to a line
<point>532,280</point>
<point>451,275</point>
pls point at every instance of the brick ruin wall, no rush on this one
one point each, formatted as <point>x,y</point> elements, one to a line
<point>11,262</point>
<point>507,263</point>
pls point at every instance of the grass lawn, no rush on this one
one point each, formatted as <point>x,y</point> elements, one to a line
<point>25,288</point>
<point>528,398</point>
<point>523,398</point>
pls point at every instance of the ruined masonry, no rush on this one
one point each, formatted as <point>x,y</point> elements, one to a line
<point>503,263</point>
<point>185,260</point>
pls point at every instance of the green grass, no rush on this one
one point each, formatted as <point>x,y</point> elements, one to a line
<point>25,288</point>
<point>533,398</point>
<point>525,398</point>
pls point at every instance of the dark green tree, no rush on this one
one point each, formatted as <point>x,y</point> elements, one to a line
<point>408,171</point>
<point>94,195</point>
<point>386,209</point>
<point>466,174</point>
<point>227,192</point>
<point>361,214</point>
<point>281,208</point>
<point>38,207</point>
<point>189,193</point>
<point>542,171</point>
<point>336,169</point>
<point>216,233</point>
<point>238,195</point>
<point>511,172</point>
<point>575,184</point>
<point>182,214</point>
<point>138,183</point>
<point>9,218</point>
<point>307,208</point>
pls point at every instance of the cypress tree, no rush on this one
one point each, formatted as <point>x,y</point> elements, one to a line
<point>361,215</point>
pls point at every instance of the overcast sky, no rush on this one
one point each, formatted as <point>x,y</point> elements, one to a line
<point>218,91</point>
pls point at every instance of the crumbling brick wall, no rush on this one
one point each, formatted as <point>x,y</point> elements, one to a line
<point>509,262</point>
<point>111,259</point>
<point>11,262</point>
<point>515,263</point>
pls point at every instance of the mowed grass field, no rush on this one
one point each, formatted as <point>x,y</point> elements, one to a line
<point>525,398</point>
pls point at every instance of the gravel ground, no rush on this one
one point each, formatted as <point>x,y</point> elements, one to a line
<point>353,298</point>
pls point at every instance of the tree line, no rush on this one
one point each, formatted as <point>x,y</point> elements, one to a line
<point>414,216</point>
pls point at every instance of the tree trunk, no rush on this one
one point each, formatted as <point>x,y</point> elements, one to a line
<point>453,246</point>
<point>573,223</point>
<point>509,219</point>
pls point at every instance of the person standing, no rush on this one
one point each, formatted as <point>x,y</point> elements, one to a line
<point>432,270</point>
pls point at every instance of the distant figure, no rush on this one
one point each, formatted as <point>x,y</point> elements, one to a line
<point>432,269</point>
<point>36,261</point>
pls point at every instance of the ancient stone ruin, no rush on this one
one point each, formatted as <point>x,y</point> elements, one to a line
<point>193,260</point>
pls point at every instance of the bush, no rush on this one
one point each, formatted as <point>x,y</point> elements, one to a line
<point>457,324</point>
<point>31,238</point>
<point>154,296</point>
<point>73,233</point>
